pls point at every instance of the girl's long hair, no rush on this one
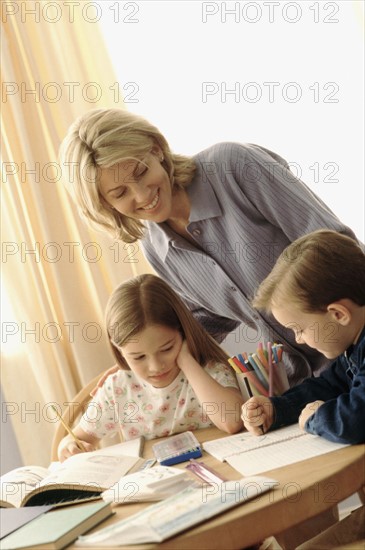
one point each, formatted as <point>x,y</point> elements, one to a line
<point>147,300</point>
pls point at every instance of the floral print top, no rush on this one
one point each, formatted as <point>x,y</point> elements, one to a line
<point>133,407</point>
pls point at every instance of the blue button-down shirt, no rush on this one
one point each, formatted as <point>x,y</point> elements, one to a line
<point>246,207</point>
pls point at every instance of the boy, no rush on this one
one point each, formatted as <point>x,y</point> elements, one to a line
<point>317,289</point>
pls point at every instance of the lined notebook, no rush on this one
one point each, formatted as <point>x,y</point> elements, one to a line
<point>250,455</point>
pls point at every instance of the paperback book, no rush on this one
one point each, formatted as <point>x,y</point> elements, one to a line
<point>80,477</point>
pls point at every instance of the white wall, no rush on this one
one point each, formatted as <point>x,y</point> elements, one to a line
<point>296,69</point>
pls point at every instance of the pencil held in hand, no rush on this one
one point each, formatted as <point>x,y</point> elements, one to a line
<point>68,429</point>
<point>249,391</point>
<point>255,417</point>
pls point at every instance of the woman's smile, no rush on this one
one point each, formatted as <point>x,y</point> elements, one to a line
<point>151,206</point>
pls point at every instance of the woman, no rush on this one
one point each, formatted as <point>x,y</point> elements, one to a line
<point>212,225</point>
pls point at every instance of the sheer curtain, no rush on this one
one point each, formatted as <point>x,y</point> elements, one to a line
<point>56,272</point>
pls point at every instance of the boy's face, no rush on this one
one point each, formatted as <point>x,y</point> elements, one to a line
<point>318,330</point>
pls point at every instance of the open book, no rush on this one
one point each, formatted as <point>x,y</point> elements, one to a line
<point>186,508</point>
<point>80,477</point>
<point>248,454</point>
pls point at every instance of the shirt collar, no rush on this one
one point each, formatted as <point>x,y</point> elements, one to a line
<point>204,205</point>
<point>203,200</point>
<point>354,349</point>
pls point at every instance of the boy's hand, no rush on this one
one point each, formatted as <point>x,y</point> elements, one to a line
<point>72,449</point>
<point>308,411</point>
<point>257,414</point>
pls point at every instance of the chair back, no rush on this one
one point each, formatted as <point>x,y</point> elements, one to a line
<point>72,413</point>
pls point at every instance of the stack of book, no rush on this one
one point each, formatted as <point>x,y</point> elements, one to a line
<point>262,372</point>
<point>54,529</point>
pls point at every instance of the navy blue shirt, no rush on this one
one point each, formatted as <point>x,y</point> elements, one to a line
<point>342,387</point>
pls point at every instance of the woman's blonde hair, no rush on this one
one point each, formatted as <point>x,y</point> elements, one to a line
<point>147,300</point>
<point>313,272</point>
<point>102,138</point>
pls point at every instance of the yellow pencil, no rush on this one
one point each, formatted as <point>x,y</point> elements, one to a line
<point>68,429</point>
<point>234,366</point>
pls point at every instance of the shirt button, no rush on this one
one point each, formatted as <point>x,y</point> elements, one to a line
<point>213,263</point>
<point>196,232</point>
<point>233,288</point>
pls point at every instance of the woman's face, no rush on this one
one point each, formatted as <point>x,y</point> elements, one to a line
<point>139,190</point>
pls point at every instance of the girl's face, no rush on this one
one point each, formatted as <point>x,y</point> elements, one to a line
<point>151,354</point>
<point>139,190</point>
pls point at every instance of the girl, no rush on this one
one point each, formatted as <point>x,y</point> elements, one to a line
<point>172,375</point>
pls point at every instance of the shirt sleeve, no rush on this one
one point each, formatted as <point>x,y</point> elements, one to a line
<point>338,418</point>
<point>281,198</point>
<point>223,374</point>
<point>288,406</point>
<point>217,326</point>
<point>100,418</point>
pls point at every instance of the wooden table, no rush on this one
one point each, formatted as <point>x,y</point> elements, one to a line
<point>305,489</point>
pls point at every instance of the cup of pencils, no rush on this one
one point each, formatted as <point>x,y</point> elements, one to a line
<point>262,372</point>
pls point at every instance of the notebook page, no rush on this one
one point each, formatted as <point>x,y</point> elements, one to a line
<point>282,454</point>
<point>245,441</point>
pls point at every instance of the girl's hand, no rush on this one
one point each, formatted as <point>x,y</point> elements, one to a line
<point>308,411</point>
<point>103,377</point>
<point>184,357</point>
<point>71,448</point>
<point>257,414</point>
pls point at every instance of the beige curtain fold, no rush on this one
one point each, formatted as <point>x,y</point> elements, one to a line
<point>57,273</point>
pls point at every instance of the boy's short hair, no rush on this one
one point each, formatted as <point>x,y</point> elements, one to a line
<point>314,271</point>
